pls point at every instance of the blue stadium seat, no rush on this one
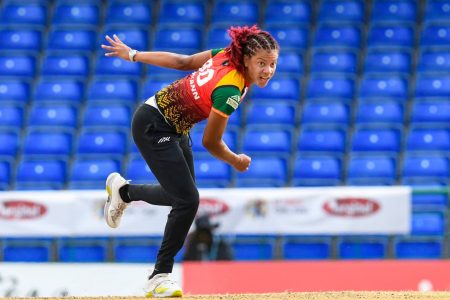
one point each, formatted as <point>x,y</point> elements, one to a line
<point>217,37</point>
<point>44,142</point>
<point>74,13</point>
<point>434,61</point>
<point>371,170</point>
<point>387,61</point>
<point>33,174</point>
<point>317,170</point>
<point>27,250</point>
<point>138,171</point>
<point>282,12</point>
<point>21,39</point>
<point>9,143</point>
<point>391,35</point>
<point>278,89</point>
<point>290,64</point>
<point>341,11</point>
<point>119,90</point>
<point>362,247</point>
<point>151,86</point>
<point>102,142</point>
<point>428,139</point>
<point>432,86</point>
<point>270,171</point>
<point>24,14</point>
<point>235,12</point>
<point>253,248</point>
<point>437,11</point>
<point>271,113</point>
<point>290,38</point>
<point>5,174</point>
<point>229,137</point>
<point>428,195</point>
<point>56,116</point>
<point>428,222</point>
<point>59,90</point>
<point>426,167</point>
<point>435,35</point>
<point>335,113</point>
<point>332,61</point>
<point>107,115</point>
<point>330,87</point>
<point>21,66</point>
<point>261,140</point>
<point>182,13</point>
<point>136,38</point>
<point>382,112</point>
<point>322,139</point>
<point>186,40</point>
<point>390,87</point>
<point>114,66</point>
<point>76,250</point>
<point>129,13</point>
<point>135,249</point>
<point>394,11</point>
<point>376,139</point>
<point>11,116</point>
<point>337,36</point>
<point>72,65</point>
<point>211,172</point>
<point>15,91</point>
<point>430,112</point>
<point>418,248</point>
<point>305,247</point>
<point>91,173</point>
<point>76,39</point>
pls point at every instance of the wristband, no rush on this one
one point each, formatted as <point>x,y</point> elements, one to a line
<point>131,54</point>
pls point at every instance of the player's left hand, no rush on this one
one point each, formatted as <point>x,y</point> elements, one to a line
<point>117,48</point>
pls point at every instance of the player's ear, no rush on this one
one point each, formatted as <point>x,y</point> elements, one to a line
<point>246,61</point>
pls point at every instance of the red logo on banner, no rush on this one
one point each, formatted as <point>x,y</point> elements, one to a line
<point>212,207</point>
<point>351,207</point>
<point>21,210</point>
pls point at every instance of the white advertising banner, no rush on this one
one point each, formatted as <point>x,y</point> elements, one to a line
<point>56,280</point>
<point>324,210</point>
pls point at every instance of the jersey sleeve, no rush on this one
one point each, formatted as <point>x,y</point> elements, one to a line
<point>215,51</point>
<point>226,99</point>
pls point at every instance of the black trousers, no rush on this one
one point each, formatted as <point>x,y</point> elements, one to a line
<point>169,156</point>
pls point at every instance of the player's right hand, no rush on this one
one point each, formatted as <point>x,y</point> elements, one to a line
<point>243,162</point>
<point>117,48</point>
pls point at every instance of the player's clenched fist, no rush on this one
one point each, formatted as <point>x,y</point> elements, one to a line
<point>242,163</point>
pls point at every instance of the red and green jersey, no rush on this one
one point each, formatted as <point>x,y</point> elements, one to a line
<point>215,86</point>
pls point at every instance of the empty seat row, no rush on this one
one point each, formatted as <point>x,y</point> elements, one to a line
<point>90,171</point>
<point>318,87</point>
<point>68,116</point>
<point>144,249</point>
<point>189,40</point>
<point>315,139</point>
<point>194,12</point>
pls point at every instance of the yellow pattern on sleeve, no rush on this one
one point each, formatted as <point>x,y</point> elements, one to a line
<point>232,78</point>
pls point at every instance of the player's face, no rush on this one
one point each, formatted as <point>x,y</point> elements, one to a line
<point>260,67</point>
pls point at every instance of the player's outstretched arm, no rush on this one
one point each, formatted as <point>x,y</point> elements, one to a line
<point>171,60</point>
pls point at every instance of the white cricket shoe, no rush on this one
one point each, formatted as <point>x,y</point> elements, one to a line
<point>161,286</point>
<point>114,206</point>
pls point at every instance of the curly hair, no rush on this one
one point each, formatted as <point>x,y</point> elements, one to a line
<point>246,41</point>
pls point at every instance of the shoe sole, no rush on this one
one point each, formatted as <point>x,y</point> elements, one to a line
<point>174,294</point>
<point>108,201</point>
